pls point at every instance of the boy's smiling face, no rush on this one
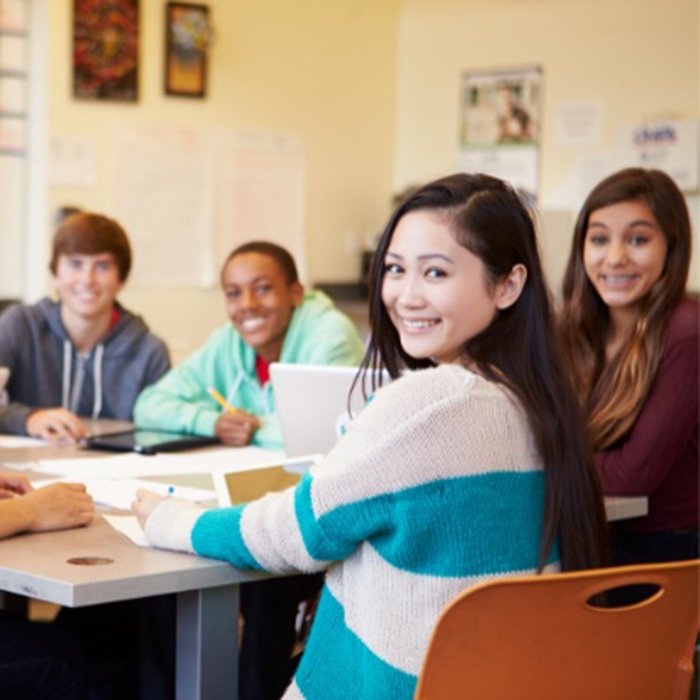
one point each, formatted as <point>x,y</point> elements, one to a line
<point>87,285</point>
<point>260,301</point>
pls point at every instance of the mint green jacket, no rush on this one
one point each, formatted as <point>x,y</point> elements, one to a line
<point>318,334</point>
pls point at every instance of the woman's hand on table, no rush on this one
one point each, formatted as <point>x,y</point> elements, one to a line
<point>146,502</point>
<point>12,485</point>
<point>57,507</point>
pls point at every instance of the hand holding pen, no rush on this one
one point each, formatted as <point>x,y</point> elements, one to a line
<point>234,427</point>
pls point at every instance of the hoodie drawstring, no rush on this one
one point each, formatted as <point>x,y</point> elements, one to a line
<point>97,380</point>
<point>264,393</point>
<point>71,400</point>
<point>67,354</point>
<point>234,387</point>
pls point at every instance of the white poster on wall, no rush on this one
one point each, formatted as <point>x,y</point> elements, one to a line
<point>163,195</point>
<point>187,197</point>
<point>501,125</point>
<point>670,145</point>
<point>578,123</point>
<point>73,160</point>
<point>261,193</point>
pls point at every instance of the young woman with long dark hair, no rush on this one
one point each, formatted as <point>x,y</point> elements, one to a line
<point>472,467</point>
<point>631,339</point>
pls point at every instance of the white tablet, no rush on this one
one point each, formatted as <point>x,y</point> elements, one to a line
<point>243,485</point>
<point>315,403</point>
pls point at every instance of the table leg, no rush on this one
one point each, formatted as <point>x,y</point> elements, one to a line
<point>207,644</point>
<point>14,603</point>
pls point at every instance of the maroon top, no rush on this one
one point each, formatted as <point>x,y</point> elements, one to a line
<point>659,457</point>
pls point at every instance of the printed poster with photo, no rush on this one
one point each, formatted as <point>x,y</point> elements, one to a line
<point>501,125</point>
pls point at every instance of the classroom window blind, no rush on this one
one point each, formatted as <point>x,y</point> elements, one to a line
<point>14,91</point>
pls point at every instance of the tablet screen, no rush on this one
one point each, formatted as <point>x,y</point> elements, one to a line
<point>147,441</point>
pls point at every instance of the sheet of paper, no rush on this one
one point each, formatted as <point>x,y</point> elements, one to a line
<point>13,180</point>
<point>73,160</point>
<point>16,441</point>
<point>218,459</point>
<point>178,214</point>
<point>121,493</point>
<point>129,526</point>
<point>13,94</point>
<point>254,169</point>
<point>14,54</point>
<point>133,465</point>
<point>13,16</point>
<point>579,123</point>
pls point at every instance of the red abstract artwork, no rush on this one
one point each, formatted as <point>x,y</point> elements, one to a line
<point>106,49</point>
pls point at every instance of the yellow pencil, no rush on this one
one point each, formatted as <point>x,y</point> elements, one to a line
<point>220,400</point>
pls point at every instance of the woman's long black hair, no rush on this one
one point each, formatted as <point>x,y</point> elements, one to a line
<point>518,349</point>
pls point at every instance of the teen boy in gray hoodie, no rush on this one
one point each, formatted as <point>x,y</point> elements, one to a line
<point>84,355</point>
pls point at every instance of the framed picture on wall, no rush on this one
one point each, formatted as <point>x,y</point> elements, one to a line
<point>501,125</point>
<point>106,49</point>
<point>187,43</point>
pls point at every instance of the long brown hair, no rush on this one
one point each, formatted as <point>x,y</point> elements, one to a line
<point>518,350</point>
<point>614,391</point>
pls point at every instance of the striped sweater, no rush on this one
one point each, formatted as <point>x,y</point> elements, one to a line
<point>436,486</point>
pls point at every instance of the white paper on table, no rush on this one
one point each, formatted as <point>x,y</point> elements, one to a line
<point>133,465</point>
<point>129,526</point>
<point>18,441</point>
<point>20,466</point>
<point>121,493</point>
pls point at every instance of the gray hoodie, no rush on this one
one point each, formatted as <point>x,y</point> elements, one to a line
<point>47,370</point>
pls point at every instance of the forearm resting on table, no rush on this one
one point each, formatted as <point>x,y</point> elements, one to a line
<point>54,507</point>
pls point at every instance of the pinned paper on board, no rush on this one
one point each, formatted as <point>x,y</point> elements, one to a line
<point>501,125</point>
<point>214,193</point>
<point>579,123</point>
<point>671,145</point>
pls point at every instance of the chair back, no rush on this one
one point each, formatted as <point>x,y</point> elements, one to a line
<point>542,637</point>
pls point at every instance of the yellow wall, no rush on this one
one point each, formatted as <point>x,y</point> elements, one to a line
<point>324,71</point>
<point>371,87</point>
<point>639,58</point>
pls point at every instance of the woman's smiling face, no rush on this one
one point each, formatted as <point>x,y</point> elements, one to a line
<point>435,291</point>
<point>624,252</point>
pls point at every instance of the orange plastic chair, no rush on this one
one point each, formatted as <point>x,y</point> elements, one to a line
<point>540,637</point>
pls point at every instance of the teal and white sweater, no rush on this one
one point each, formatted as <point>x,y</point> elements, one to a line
<point>436,486</point>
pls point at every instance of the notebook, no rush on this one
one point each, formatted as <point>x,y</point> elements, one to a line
<point>147,441</point>
<point>245,485</point>
<point>312,404</point>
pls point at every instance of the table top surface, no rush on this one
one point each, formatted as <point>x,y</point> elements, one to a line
<point>97,564</point>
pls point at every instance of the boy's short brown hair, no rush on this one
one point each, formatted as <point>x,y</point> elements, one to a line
<point>90,234</point>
